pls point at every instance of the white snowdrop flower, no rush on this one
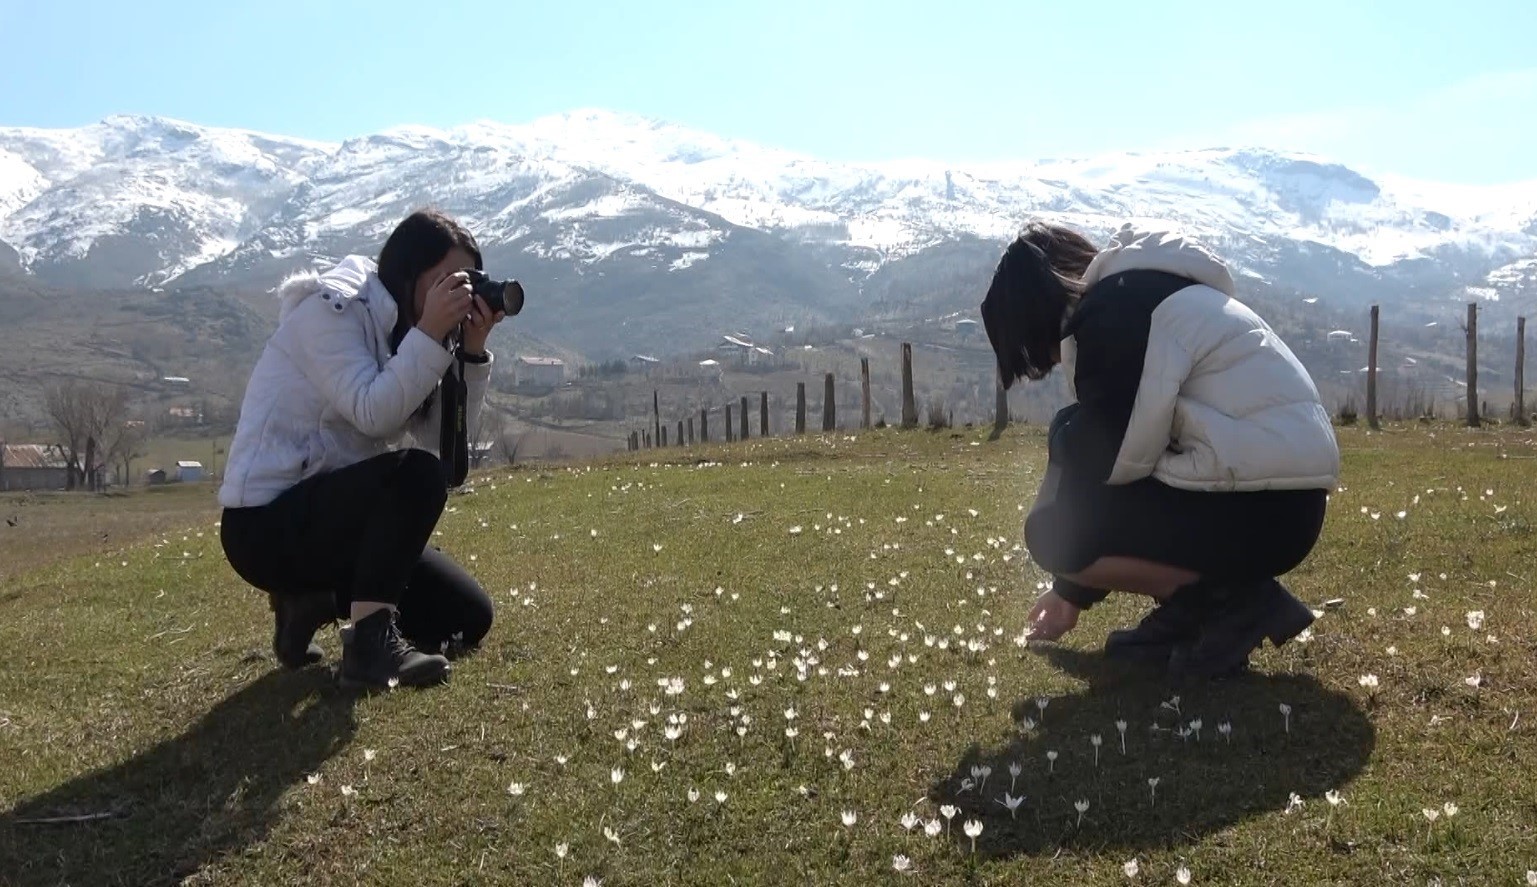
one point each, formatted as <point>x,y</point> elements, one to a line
<point>932,828</point>
<point>1226,730</point>
<point>1051,761</point>
<point>1293,802</point>
<point>910,821</point>
<point>720,797</point>
<point>1182,875</point>
<point>1431,813</point>
<point>616,775</point>
<point>560,760</point>
<point>930,689</point>
<point>591,881</point>
<point>849,818</point>
<point>693,795</point>
<point>1476,620</point>
<point>901,864</point>
<point>1082,806</point>
<point>1286,714</point>
<point>516,789</point>
<point>1334,797</point>
<point>1131,868</point>
<point>1120,727</point>
<point>561,850</point>
<point>1369,681</point>
<point>973,828</point>
<point>1449,809</point>
<point>959,700</point>
<point>348,791</point>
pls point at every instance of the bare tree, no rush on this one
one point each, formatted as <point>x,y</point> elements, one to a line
<point>124,443</point>
<point>85,415</point>
<point>508,444</point>
<point>486,434</point>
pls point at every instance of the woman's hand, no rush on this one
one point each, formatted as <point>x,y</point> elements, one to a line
<point>1050,618</point>
<point>446,305</point>
<point>478,328</point>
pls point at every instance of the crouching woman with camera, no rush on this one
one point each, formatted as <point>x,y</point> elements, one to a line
<point>320,510</point>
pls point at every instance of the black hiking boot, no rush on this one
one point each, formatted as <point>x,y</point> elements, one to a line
<point>1243,616</point>
<point>296,618</point>
<point>374,654</point>
<point>1170,623</point>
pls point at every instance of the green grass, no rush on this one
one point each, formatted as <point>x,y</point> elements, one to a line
<point>138,685</point>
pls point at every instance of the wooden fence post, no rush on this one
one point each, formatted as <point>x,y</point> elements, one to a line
<point>690,430</point>
<point>656,413</point>
<point>800,407</point>
<point>704,425</point>
<point>680,432</point>
<point>864,392</point>
<point>648,439</point>
<point>909,405</point>
<point>1521,418</point>
<point>663,438</point>
<point>829,408</point>
<point>1473,420</point>
<point>745,419</point>
<point>729,432</point>
<point>1371,376</point>
<point>763,429</point>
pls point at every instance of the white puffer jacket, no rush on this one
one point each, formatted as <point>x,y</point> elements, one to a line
<point>1222,403</point>
<point>326,393</point>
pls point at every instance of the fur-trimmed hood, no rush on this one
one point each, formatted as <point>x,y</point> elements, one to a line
<point>353,278</point>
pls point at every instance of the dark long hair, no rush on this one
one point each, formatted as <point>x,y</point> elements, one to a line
<point>1036,285</point>
<point>416,245</point>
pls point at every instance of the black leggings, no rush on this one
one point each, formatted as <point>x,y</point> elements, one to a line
<point>1223,537</point>
<point>360,533</point>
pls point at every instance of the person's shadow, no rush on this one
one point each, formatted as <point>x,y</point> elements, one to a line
<point>1207,779</point>
<point>164,813</point>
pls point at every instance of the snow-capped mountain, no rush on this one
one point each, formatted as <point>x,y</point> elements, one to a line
<point>647,235</point>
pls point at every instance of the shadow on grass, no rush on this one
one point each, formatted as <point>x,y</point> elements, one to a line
<point>1205,783</point>
<point>164,813</point>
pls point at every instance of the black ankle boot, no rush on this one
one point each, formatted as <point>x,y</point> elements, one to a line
<point>374,654</point>
<point>1172,622</point>
<point>296,618</point>
<point>1243,616</point>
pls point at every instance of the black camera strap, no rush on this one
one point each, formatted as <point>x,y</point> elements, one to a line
<point>453,430</point>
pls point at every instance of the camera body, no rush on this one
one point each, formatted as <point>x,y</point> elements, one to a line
<point>499,295</point>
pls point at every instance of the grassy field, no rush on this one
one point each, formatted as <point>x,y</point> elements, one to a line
<point>748,664</point>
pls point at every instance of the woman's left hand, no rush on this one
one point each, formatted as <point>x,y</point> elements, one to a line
<point>477,327</point>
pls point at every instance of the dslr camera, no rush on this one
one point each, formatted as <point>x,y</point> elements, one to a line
<point>500,295</point>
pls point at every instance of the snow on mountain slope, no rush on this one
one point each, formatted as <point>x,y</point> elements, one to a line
<point>197,190</point>
<point>149,200</point>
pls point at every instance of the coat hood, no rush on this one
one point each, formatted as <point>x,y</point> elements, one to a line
<point>1168,250</point>
<point>352,278</point>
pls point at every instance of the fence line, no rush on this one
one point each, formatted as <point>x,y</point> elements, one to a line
<point>1475,413</point>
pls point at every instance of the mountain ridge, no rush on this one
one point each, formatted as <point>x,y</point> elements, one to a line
<point>635,234</point>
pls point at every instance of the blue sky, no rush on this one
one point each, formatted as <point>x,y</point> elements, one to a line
<point>1425,89</point>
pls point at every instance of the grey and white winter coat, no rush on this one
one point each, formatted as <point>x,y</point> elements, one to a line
<point>326,392</point>
<point>1177,380</point>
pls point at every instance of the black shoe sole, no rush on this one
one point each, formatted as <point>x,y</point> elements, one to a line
<point>312,656</point>
<point>350,682</point>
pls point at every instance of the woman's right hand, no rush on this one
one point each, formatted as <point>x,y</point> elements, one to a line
<point>446,306</point>
<point>1050,618</point>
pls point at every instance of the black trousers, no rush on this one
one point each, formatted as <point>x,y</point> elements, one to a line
<point>360,534</point>
<point>1224,537</point>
